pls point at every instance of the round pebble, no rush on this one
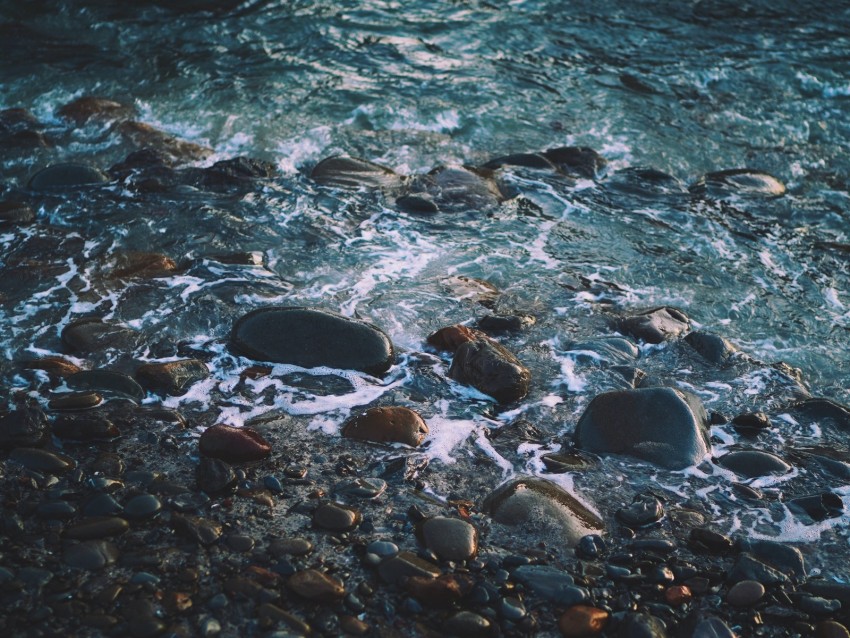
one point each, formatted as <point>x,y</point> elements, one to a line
<point>745,593</point>
<point>142,506</point>
<point>91,555</point>
<point>315,585</point>
<point>467,623</point>
<point>336,517</point>
<point>831,629</point>
<point>449,538</point>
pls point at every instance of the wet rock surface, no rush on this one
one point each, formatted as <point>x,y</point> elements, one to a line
<point>492,369</point>
<point>387,425</point>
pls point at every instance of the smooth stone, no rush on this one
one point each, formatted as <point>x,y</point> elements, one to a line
<point>102,504</point>
<point>748,567</point>
<point>751,423</point>
<point>591,547</point>
<point>316,586</point>
<point>450,338</point>
<point>75,401</point>
<point>97,527</point>
<point>382,549</point>
<point>233,445</point>
<point>664,426</point>
<point>91,555</point>
<point>754,463</point>
<point>537,505</point>
<point>744,182</point>
<point>745,593</point>
<point>492,369</point>
<point>25,426</point>
<point>817,507</point>
<point>393,424</point>
<point>142,506</point>
<point>449,538</point>
<point>706,539</point>
<point>451,189</point>
<point>818,606</point>
<point>56,510</point>
<point>643,626</point>
<point>551,583</point>
<point>582,620</point>
<point>467,623</point>
<point>712,348</point>
<point>268,612</point>
<point>107,383</point>
<point>644,181</point>
<point>201,530</point>
<point>54,366</point>
<point>443,591</point>
<point>581,161</point>
<point>505,323</point>
<point>712,627</point>
<point>612,350</point>
<point>85,428</point>
<point>644,510</point>
<point>822,411</point>
<point>511,608</point>
<point>290,547</point>
<point>214,475</point>
<point>561,463</point>
<point>173,378</point>
<point>42,461</point>
<point>655,326</point>
<point>785,558</point>
<point>91,335</point>
<point>146,136</point>
<point>336,517</point>
<point>361,487</point>
<point>353,173</point>
<point>66,176</point>
<point>311,338</point>
<point>139,265</point>
<point>240,543</point>
<point>394,570</point>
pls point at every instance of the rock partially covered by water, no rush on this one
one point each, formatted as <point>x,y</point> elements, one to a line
<point>310,338</point>
<point>576,161</point>
<point>655,326</point>
<point>89,107</point>
<point>353,173</point>
<point>451,188</point>
<point>450,338</point>
<point>146,136</point>
<point>395,424</point>
<point>12,212</point>
<point>172,377</point>
<point>492,369</point>
<point>234,445</point>
<point>753,463</point>
<point>60,177</point>
<point>537,505</point>
<point>713,348</point>
<point>744,182</point>
<point>91,334</point>
<point>664,426</point>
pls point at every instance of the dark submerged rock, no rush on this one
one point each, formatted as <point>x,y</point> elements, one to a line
<point>748,567</point>
<point>91,334</point>
<point>452,188</point>
<point>655,326</point>
<point>108,383</point>
<point>353,173</point>
<point>66,177</point>
<point>642,181</point>
<point>91,555</point>
<point>233,445</point>
<point>89,107</point>
<point>393,424</point>
<point>139,265</point>
<point>146,136</point>
<point>505,323</point>
<point>12,213</point>
<point>85,428</point>
<point>539,505</point>
<point>309,338</point>
<point>754,463</point>
<point>42,460</point>
<point>611,350</point>
<point>665,426</point>
<point>824,411</point>
<point>172,377</point>
<point>491,368</point>
<point>714,349</point>
<point>785,558</point>
<point>743,182</point>
<point>817,507</point>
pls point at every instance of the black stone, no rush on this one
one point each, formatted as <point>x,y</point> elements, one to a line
<point>754,463</point>
<point>215,475</point>
<point>309,338</point>
<point>645,510</point>
<point>66,177</point>
<point>742,182</point>
<point>655,326</point>
<point>107,383</point>
<point>24,426</point>
<point>712,348</point>
<point>353,173</point>
<point>492,369</point>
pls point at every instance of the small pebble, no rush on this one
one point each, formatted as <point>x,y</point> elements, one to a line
<point>336,517</point>
<point>582,620</point>
<point>315,585</point>
<point>745,593</point>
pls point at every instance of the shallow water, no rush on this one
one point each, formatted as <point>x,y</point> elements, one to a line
<point>681,87</point>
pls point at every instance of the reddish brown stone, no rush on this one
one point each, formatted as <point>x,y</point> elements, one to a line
<point>353,625</point>
<point>143,265</point>
<point>54,366</point>
<point>582,620</point>
<point>442,591</point>
<point>387,425</point>
<point>677,595</point>
<point>144,135</point>
<point>451,338</point>
<point>234,445</point>
<point>315,585</point>
<point>88,107</point>
<point>172,377</point>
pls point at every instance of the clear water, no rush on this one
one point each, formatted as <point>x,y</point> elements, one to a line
<point>686,88</point>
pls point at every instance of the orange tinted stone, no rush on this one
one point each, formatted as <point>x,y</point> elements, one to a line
<point>677,595</point>
<point>582,620</point>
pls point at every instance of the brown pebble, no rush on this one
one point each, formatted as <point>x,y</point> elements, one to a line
<point>172,377</point>
<point>290,546</point>
<point>387,425</point>
<point>234,445</point>
<point>272,615</point>
<point>336,517</point>
<point>315,585</point>
<point>677,595</point>
<point>353,626</point>
<point>745,593</point>
<point>831,629</point>
<point>582,620</point>
<point>442,591</point>
<point>177,602</point>
<point>75,401</point>
<point>56,366</point>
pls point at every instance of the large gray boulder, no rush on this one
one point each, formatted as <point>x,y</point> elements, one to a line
<point>664,426</point>
<point>312,338</point>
